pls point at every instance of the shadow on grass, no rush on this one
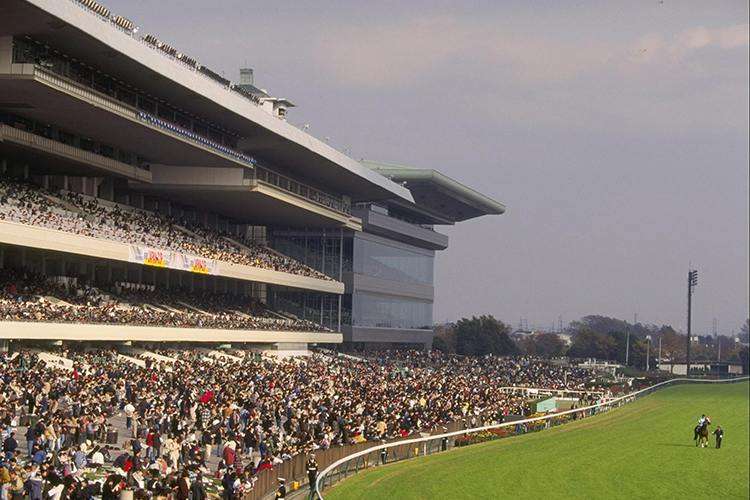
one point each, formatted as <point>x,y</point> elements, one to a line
<point>675,444</point>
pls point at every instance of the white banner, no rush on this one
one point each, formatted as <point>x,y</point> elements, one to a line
<point>173,260</point>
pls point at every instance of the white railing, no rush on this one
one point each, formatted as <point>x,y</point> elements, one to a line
<point>78,153</point>
<point>424,446</point>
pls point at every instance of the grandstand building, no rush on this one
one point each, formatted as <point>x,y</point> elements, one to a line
<point>145,197</point>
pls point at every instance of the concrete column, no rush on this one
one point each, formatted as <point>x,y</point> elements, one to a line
<point>6,53</point>
<point>165,207</point>
<point>149,204</point>
<point>75,184</point>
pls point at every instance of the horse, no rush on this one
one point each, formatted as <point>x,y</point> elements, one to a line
<point>701,434</point>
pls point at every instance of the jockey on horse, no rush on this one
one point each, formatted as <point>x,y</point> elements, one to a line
<point>703,422</point>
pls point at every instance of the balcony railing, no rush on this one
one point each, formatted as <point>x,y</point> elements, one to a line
<point>275,179</point>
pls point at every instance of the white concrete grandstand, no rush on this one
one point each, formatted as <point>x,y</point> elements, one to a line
<point>127,166</point>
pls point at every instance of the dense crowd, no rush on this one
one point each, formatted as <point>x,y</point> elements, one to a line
<point>252,413</point>
<point>27,204</point>
<point>25,296</point>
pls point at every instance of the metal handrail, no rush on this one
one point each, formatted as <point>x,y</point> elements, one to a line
<point>281,181</point>
<point>327,473</point>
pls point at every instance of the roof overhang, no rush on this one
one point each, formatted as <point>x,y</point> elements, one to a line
<point>36,95</point>
<point>72,29</point>
<point>438,194</point>
<point>259,202</point>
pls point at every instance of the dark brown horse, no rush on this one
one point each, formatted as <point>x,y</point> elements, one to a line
<point>701,434</point>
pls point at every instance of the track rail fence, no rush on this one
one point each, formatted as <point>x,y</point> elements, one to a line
<point>413,448</point>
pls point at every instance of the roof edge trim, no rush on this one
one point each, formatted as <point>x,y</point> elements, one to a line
<point>398,173</point>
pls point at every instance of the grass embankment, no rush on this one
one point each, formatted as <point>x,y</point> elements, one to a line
<point>642,451</point>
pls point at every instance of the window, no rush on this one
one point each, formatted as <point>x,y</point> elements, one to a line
<point>386,312</point>
<point>375,259</point>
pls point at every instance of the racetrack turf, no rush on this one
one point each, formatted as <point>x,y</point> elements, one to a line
<point>644,450</point>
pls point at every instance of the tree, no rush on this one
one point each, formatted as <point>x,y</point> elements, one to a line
<point>584,343</point>
<point>745,332</point>
<point>744,357</point>
<point>606,346</point>
<point>528,345</point>
<point>599,324</point>
<point>621,339</point>
<point>444,339</point>
<point>549,345</point>
<point>673,346</point>
<point>483,335</point>
<point>439,344</point>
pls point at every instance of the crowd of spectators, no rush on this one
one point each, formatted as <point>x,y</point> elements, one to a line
<point>26,296</point>
<point>252,413</point>
<point>27,204</point>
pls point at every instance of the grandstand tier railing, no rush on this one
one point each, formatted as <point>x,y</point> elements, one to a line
<point>414,448</point>
<point>59,148</point>
<point>288,184</point>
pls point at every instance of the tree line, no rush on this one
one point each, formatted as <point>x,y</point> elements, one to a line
<point>592,336</point>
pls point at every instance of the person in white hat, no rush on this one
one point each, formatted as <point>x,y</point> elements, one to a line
<point>281,492</point>
<point>312,470</point>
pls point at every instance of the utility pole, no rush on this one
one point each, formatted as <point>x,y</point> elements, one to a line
<point>658,364</point>
<point>692,282</point>
<point>627,349</point>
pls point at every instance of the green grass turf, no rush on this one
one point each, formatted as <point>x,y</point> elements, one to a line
<point>641,451</point>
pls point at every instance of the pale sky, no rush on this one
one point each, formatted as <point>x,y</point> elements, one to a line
<point>616,133</point>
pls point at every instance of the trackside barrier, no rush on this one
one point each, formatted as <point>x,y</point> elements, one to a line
<point>403,450</point>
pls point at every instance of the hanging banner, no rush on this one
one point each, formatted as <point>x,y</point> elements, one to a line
<point>199,265</point>
<point>150,256</point>
<point>171,260</point>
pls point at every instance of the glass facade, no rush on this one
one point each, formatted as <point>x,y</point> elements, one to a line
<point>376,259</point>
<point>320,250</point>
<point>337,253</point>
<point>387,312</point>
<point>322,308</point>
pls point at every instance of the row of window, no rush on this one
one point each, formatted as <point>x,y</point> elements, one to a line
<point>55,134</point>
<point>28,52</point>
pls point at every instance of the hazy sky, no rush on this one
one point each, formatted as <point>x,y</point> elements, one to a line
<point>616,133</point>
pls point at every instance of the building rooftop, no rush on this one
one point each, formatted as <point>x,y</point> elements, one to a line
<point>109,45</point>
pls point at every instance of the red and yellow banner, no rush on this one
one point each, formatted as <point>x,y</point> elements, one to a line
<point>173,260</point>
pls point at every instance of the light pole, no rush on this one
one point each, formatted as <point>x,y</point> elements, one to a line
<point>627,349</point>
<point>648,350</point>
<point>658,364</point>
<point>692,281</point>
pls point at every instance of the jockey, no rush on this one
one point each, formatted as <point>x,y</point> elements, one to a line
<point>701,421</point>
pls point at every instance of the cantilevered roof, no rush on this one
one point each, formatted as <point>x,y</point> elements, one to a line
<point>437,197</point>
<point>72,29</point>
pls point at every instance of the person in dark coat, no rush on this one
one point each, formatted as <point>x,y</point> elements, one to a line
<point>281,492</point>
<point>34,485</point>
<point>30,438</point>
<point>9,446</point>
<point>197,489</point>
<point>719,433</point>
<point>312,470</point>
<point>228,483</point>
<point>183,487</point>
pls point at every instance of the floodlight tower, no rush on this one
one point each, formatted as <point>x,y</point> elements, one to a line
<point>692,281</point>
